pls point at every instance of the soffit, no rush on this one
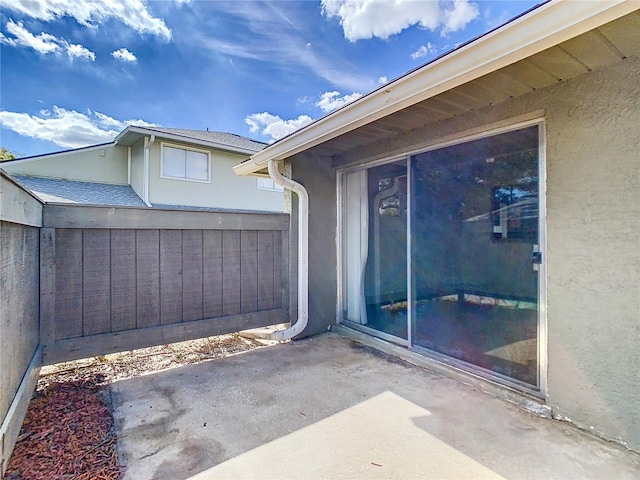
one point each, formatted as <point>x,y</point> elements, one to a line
<point>609,44</point>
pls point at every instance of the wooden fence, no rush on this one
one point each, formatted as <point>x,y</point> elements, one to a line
<point>108,287</point>
<point>79,281</point>
<point>20,354</point>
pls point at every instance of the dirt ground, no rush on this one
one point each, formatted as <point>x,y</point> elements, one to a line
<point>68,431</point>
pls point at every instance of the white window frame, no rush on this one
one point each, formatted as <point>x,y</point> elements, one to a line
<point>186,149</point>
<point>274,188</point>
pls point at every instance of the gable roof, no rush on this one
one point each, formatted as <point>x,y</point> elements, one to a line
<point>53,190</point>
<point>219,140</point>
<point>494,67</point>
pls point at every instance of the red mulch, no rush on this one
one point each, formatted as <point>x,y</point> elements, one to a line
<point>68,433</point>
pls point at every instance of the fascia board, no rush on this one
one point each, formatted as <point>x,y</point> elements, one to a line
<point>547,26</point>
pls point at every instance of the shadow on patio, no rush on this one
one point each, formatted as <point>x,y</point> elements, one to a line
<point>327,407</point>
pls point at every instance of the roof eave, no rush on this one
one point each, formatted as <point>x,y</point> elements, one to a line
<point>542,28</point>
<point>131,129</point>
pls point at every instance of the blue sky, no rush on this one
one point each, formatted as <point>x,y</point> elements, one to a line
<point>76,72</point>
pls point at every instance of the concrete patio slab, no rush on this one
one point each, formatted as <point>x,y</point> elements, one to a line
<point>328,407</point>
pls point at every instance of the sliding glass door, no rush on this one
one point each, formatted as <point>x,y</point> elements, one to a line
<point>474,234</point>
<point>375,262</point>
<point>464,232</point>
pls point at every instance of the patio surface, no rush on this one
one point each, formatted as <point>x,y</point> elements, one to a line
<point>328,407</point>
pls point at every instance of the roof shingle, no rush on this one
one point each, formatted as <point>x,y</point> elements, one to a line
<point>224,138</point>
<point>53,190</point>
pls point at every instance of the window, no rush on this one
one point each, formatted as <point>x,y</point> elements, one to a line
<point>185,164</point>
<point>268,184</point>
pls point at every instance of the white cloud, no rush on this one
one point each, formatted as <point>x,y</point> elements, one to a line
<point>266,34</point>
<point>124,55</point>
<point>330,101</point>
<point>67,128</point>
<point>78,51</point>
<point>382,80</point>
<point>362,19</point>
<point>105,121</point>
<point>43,43</point>
<point>273,126</point>
<point>424,50</point>
<point>133,13</point>
<point>457,17</point>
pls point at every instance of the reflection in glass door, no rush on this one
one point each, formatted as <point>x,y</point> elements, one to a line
<point>375,262</point>
<point>470,215</point>
<point>474,253</point>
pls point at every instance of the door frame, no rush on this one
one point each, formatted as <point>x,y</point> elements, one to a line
<point>462,137</point>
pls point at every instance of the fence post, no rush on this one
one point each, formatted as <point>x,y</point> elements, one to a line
<point>47,286</point>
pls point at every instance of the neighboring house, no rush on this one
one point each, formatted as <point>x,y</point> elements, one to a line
<point>485,208</point>
<point>151,166</point>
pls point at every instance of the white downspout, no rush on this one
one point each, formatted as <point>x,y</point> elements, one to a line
<point>303,252</point>
<point>145,174</point>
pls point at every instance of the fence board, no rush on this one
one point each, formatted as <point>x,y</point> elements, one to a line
<point>170,276</point>
<point>212,273</point>
<point>96,279</point>
<point>148,278</point>
<point>266,272</point>
<point>123,279</point>
<point>192,279</point>
<point>19,305</point>
<point>249,271</point>
<point>47,284</point>
<point>230,272</point>
<point>115,281</point>
<point>68,283</point>
<point>85,216</point>
<point>117,342</point>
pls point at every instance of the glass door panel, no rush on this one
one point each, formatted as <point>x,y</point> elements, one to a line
<point>375,248</point>
<point>474,233</point>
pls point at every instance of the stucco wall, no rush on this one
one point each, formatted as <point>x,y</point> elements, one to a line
<point>106,165</point>
<point>137,168</point>
<point>593,233</point>
<point>593,201</point>
<point>226,190</point>
<point>316,174</point>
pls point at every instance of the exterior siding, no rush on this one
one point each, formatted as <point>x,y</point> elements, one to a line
<point>137,168</point>
<point>107,164</point>
<point>593,225</point>
<point>226,189</point>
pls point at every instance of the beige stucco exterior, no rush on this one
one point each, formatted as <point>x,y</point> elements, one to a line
<point>225,189</point>
<point>592,307</point>
<point>110,164</point>
<point>104,164</point>
<point>137,168</point>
